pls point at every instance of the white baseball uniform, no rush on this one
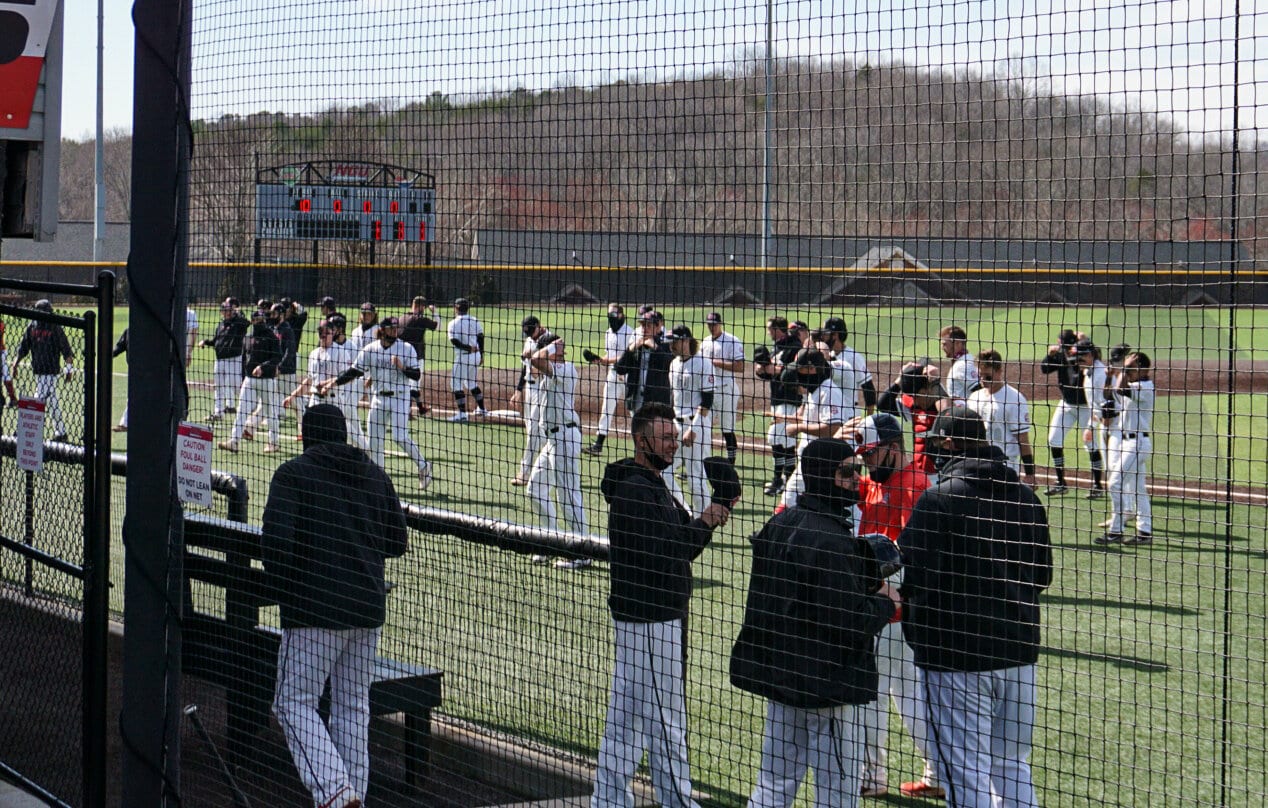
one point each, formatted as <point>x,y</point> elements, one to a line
<point>726,400</point>
<point>389,404</point>
<point>1129,450</point>
<point>614,344</point>
<point>858,363</point>
<point>689,379</point>
<point>828,404</point>
<point>1007,415</point>
<point>962,378</point>
<point>325,364</point>
<point>558,464</point>
<point>466,329</point>
<point>845,376</point>
<point>534,432</point>
<point>1094,379</point>
<point>362,336</point>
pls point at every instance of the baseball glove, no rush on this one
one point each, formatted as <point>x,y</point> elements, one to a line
<point>1108,410</point>
<point>589,355</point>
<point>880,558</point>
<point>724,482</point>
<point>761,355</point>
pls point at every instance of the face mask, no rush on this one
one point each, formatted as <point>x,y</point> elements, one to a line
<point>939,456</point>
<point>847,499</point>
<point>528,331</point>
<point>659,463</point>
<point>884,471</point>
<point>615,321</point>
<point>386,340</point>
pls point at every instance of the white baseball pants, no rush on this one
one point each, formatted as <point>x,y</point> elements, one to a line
<point>689,460</point>
<point>1066,417</point>
<point>613,393</point>
<point>463,375</point>
<point>899,680</point>
<point>226,377</point>
<point>332,761</point>
<point>1128,475</point>
<point>796,739</point>
<point>256,392</point>
<point>393,412</point>
<point>46,391</point>
<point>557,468</point>
<point>726,403</point>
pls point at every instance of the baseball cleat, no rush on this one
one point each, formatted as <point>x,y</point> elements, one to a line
<point>593,449</point>
<point>271,448</point>
<point>247,434</point>
<point>1053,490</point>
<point>1096,493</point>
<point>457,418</point>
<point>228,445</point>
<point>773,487</point>
<point>424,476</point>
<point>214,417</point>
<point>920,788</point>
<point>118,428</point>
<point>1110,538</point>
<point>1140,538</point>
<point>518,481</point>
<point>481,413</point>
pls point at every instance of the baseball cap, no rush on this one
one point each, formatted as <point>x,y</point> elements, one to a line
<point>389,322</point>
<point>798,325</point>
<point>960,423</point>
<point>43,304</point>
<point>680,332</point>
<point>258,314</point>
<point>1067,337</point>
<point>368,307</point>
<point>338,321</point>
<point>1119,352</point>
<point>226,306</point>
<point>876,430</point>
<point>835,325</point>
<point>530,321</point>
<point>648,316</point>
<point>1084,346</point>
<point>326,301</point>
<point>713,318</point>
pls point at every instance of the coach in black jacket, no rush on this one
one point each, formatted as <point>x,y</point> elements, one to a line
<point>976,556</point>
<point>808,642</point>
<point>653,541</point>
<point>645,365</point>
<point>332,518</point>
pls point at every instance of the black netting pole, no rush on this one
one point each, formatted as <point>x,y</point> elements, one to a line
<point>153,541</point>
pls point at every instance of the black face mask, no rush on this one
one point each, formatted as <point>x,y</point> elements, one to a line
<point>883,472</point>
<point>810,381</point>
<point>615,321</point>
<point>528,331</point>
<point>940,456</point>
<point>386,340</point>
<point>659,463</point>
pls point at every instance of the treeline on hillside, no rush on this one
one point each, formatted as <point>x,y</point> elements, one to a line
<point>857,150</point>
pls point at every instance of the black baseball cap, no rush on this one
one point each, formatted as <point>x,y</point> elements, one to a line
<point>680,332</point>
<point>835,325</point>
<point>326,301</point>
<point>959,423</point>
<point>1084,346</point>
<point>368,307</point>
<point>530,321</point>
<point>389,322</point>
<point>713,318</point>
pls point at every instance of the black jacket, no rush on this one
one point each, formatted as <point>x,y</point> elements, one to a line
<point>976,556</point>
<point>414,328</point>
<point>47,345</point>
<point>653,541</point>
<point>810,623</point>
<point>227,341</point>
<point>289,339</point>
<point>1069,376</point>
<point>652,388</point>
<point>782,354</point>
<point>332,518</point>
<point>262,349</point>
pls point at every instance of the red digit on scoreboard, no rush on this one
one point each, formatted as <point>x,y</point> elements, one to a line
<point>422,231</point>
<point>395,207</point>
<point>305,206</point>
<point>400,231</point>
<point>337,205</point>
<point>367,206</point>
<point>378,231</point>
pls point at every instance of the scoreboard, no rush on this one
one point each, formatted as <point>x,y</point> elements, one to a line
<point>345,201</point>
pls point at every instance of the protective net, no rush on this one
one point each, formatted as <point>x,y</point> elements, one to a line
<point>472,239</point>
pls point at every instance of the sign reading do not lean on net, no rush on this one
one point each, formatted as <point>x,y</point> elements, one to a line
<point>345,201</point>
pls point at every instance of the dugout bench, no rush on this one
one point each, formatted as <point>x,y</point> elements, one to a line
<point>235,651</point>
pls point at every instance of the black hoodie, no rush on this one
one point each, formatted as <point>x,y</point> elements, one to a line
<point>976,556</point>
<point>810,623</point>
<point>332,518</point>
<point>653,541</point>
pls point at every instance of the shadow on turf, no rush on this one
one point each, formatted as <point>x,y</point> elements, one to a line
<point>1117,660</point>
<point>1105,603</point>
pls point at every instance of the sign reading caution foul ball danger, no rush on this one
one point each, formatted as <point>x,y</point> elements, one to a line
<point>30,434</point>
<point>193,463</point>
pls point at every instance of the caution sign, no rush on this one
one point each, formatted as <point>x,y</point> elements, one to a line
<point>30,434</point>
<point>193,464</point>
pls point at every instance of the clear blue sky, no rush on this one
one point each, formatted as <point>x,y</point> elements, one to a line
<point>276,55</point>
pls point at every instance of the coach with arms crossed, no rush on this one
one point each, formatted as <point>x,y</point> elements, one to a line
<point>331,520</point>
<point>653,541</point>
<point>976,556</point>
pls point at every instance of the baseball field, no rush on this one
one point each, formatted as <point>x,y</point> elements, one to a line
<point>1152,678</point>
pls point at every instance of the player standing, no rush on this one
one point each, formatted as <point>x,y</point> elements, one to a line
<point>467,337</point>
<point>840,352</point>
<point>784,399</point>
<point>962,377</point>
<point>616,339</point>
<point>645,364</point>
<point>825,409</point>
<point>5,375</point>
<point>47,344</point>
<point>916,396</point>
<point>1074,410</point>
<point>1129,451</point>
<point>694,388</point>
<point>529,393</point>
<point>726,352</point>
<point>327,361</point>
<point>557,466</point>
<point>414,328</point>
<point>1006,414</point>
<point>227,370</point>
